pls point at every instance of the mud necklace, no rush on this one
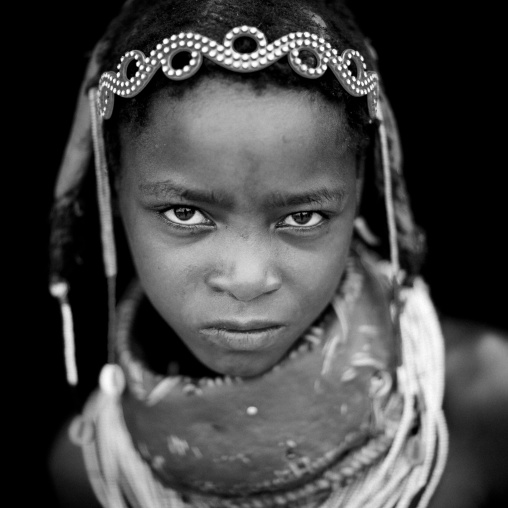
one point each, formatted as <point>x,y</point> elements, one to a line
<point>308,431</point>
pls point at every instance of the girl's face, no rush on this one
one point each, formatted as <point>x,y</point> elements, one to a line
<point>239,212</point>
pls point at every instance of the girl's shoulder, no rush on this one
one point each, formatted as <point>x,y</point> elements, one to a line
<point>476,370</point>
<point>476,409</point>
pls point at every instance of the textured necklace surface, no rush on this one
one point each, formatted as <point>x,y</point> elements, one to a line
<point>288,437</point>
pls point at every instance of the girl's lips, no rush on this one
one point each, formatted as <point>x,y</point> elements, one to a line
<point>241,337</point>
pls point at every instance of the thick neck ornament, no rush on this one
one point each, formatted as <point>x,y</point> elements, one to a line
<point>357,83</point>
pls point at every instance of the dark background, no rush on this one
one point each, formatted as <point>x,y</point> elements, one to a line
<point>446,99</point>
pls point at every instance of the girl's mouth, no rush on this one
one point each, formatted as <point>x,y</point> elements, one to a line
<point>244,336</point>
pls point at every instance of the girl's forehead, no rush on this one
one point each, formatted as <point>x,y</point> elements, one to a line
<point>237,136</point>
<point>237,115</point>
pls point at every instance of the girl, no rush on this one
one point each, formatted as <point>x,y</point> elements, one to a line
<point>273,344</point>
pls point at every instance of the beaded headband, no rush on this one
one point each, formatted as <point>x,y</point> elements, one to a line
<point>357,84</point>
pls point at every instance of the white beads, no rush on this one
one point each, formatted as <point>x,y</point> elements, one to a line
<point>112,380</point>
<point>359,83</point>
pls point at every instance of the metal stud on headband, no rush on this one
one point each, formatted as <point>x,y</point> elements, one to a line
<point>358,84</point>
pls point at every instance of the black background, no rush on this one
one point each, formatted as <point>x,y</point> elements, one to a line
<point>448,103</point>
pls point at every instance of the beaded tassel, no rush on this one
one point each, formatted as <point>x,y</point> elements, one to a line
<point>387,182</point>
<point>106,216</point>
<point>60,291</point>
<point>396,275</point>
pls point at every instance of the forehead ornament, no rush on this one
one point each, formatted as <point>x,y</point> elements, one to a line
<point>357,82</point>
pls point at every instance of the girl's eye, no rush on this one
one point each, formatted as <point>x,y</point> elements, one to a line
<point>302,219</point>
<point>186,216</point>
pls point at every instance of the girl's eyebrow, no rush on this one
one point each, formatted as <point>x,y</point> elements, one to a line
<point>170,190</point>
<point>309,197</point>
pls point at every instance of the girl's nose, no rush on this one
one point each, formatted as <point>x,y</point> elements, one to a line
<point>246,273</point>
